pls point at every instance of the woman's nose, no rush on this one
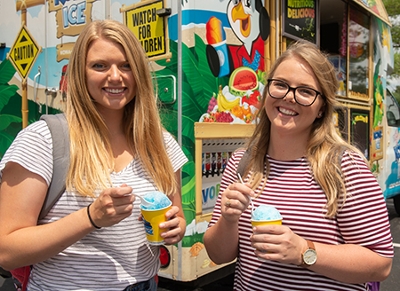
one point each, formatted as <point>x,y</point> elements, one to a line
<point>115,74</point>
<point>290,95</point>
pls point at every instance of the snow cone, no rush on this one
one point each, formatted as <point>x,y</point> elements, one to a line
<point>154,215</point>
<point>264,215</point>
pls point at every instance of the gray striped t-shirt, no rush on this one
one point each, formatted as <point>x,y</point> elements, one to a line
<point>110,258</point>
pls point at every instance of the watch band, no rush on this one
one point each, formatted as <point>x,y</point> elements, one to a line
<point>310,245</point>
<point>309,256</point>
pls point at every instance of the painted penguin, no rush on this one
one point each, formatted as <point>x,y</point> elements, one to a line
<point>250,23</point>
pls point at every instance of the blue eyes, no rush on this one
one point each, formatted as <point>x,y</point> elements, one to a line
<point>100,66</point>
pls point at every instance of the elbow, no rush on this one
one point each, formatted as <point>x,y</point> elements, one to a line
<point>5,264</point>
<point>215,254</point>
<point>386,269</point>
<point>209,249</point>
<point>215,258</point>
<point>8,261</point>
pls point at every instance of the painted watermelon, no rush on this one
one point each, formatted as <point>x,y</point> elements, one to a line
<point>242,80</point>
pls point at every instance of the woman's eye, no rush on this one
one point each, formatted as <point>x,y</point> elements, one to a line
<point>126,66</point>
<point>306,92</point>
<point>97,66</point>
<point>281,85</point>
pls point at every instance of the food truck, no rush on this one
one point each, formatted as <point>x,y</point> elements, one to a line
<point>210,60</point>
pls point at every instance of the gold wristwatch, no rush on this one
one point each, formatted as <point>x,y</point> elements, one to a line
<point>309,256</point>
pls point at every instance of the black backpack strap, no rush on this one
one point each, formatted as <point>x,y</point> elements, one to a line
<point>60,135</point>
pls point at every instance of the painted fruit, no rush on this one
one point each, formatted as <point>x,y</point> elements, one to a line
<point>242,80</point>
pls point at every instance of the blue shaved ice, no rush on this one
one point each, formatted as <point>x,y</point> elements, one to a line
<point>266,212</point>
<point>158,199</point>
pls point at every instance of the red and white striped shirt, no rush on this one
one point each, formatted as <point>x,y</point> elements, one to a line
<point>292,189</point>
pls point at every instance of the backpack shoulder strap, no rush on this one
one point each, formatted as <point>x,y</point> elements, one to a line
<point>60,135</point>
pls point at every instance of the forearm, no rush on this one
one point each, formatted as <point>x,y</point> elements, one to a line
<point>216,238</point>
<point>33,244</point>
<point>351,263</point>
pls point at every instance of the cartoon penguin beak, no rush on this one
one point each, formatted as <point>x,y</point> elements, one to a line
<point>239,14</point>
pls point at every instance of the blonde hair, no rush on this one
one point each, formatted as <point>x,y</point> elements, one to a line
<point>91,154</point>
<point>325,146</point>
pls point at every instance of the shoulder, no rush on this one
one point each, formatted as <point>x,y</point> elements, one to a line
<point>32,149</point>
<point>36,134</point>
<point>351,159</point>
<point>174,151</point>
<point>239,154</point>
<point>236,160</point>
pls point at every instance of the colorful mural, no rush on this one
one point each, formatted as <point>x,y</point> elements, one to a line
<point>222,64</point>
<point>386,170</point>
<point>214,52</point>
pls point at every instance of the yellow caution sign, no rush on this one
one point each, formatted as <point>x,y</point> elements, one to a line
<point>146,22</point>
<point>24,52</point>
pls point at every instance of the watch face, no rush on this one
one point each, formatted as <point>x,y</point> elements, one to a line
<point>310,257</point>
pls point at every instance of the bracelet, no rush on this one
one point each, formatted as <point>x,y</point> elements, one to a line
<point>90,218</point>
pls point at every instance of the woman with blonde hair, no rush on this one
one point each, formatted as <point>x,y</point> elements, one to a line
<point>93,237</point>
<point>335,232</point>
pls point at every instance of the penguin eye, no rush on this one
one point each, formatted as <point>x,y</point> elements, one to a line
<point>235,2</point>
<point>247,3</point>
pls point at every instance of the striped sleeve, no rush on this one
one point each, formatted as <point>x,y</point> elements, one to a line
<point>33,150</point>
<point>363,219</point>
<point>175,153</point>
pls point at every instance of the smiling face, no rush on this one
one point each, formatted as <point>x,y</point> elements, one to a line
<point>109,76</point>
<point>287,116</point>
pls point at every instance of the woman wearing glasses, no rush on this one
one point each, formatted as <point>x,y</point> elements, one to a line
<point>335,232</point>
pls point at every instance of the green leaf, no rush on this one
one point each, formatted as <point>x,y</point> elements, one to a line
<point>6,120</point>
<point>5,142</point>
<point>7,71</point>
<point>6,92</point>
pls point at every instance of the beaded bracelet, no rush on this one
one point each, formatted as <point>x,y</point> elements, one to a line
<point>90,218</point>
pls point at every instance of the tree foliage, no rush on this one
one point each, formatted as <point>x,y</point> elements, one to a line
<point>393,10</point>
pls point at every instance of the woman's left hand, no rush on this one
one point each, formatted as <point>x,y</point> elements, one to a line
<point>278,243</point>
<point>173,233</point>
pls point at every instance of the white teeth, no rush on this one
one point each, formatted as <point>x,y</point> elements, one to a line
<point>287,112</point>
<point>115,91</point>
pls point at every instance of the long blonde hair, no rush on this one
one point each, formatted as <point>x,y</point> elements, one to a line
<point>91,154</point>
<point>325,146</point>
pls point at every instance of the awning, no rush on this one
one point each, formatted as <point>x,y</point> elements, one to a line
<point>376,8</point>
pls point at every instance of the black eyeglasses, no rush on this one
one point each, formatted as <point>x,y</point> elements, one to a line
<point>304,96</point>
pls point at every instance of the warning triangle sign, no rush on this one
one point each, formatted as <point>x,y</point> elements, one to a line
<point>24,52</point>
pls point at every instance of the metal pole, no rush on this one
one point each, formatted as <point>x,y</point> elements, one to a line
<point>24,107</point>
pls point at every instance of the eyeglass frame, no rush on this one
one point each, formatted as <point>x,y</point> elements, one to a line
<point>294,92</point>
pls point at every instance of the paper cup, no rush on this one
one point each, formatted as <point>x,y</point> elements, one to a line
<point>265,222</point>
<point>152,219</point>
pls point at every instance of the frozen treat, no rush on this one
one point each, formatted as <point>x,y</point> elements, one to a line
<point>154,215</point>
<point>157,199</point>
<point>266,214</point>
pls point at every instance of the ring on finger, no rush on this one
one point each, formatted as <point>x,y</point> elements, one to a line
<point>228,203</point>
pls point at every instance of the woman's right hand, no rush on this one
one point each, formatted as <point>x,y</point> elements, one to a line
<point>112,206</point>
<point>235,200</point>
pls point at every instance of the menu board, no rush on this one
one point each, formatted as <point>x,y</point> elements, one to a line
<point>300,19</point>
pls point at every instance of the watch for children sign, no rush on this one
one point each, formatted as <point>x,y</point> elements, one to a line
<point>24,52</point>
<point>148,26</point>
